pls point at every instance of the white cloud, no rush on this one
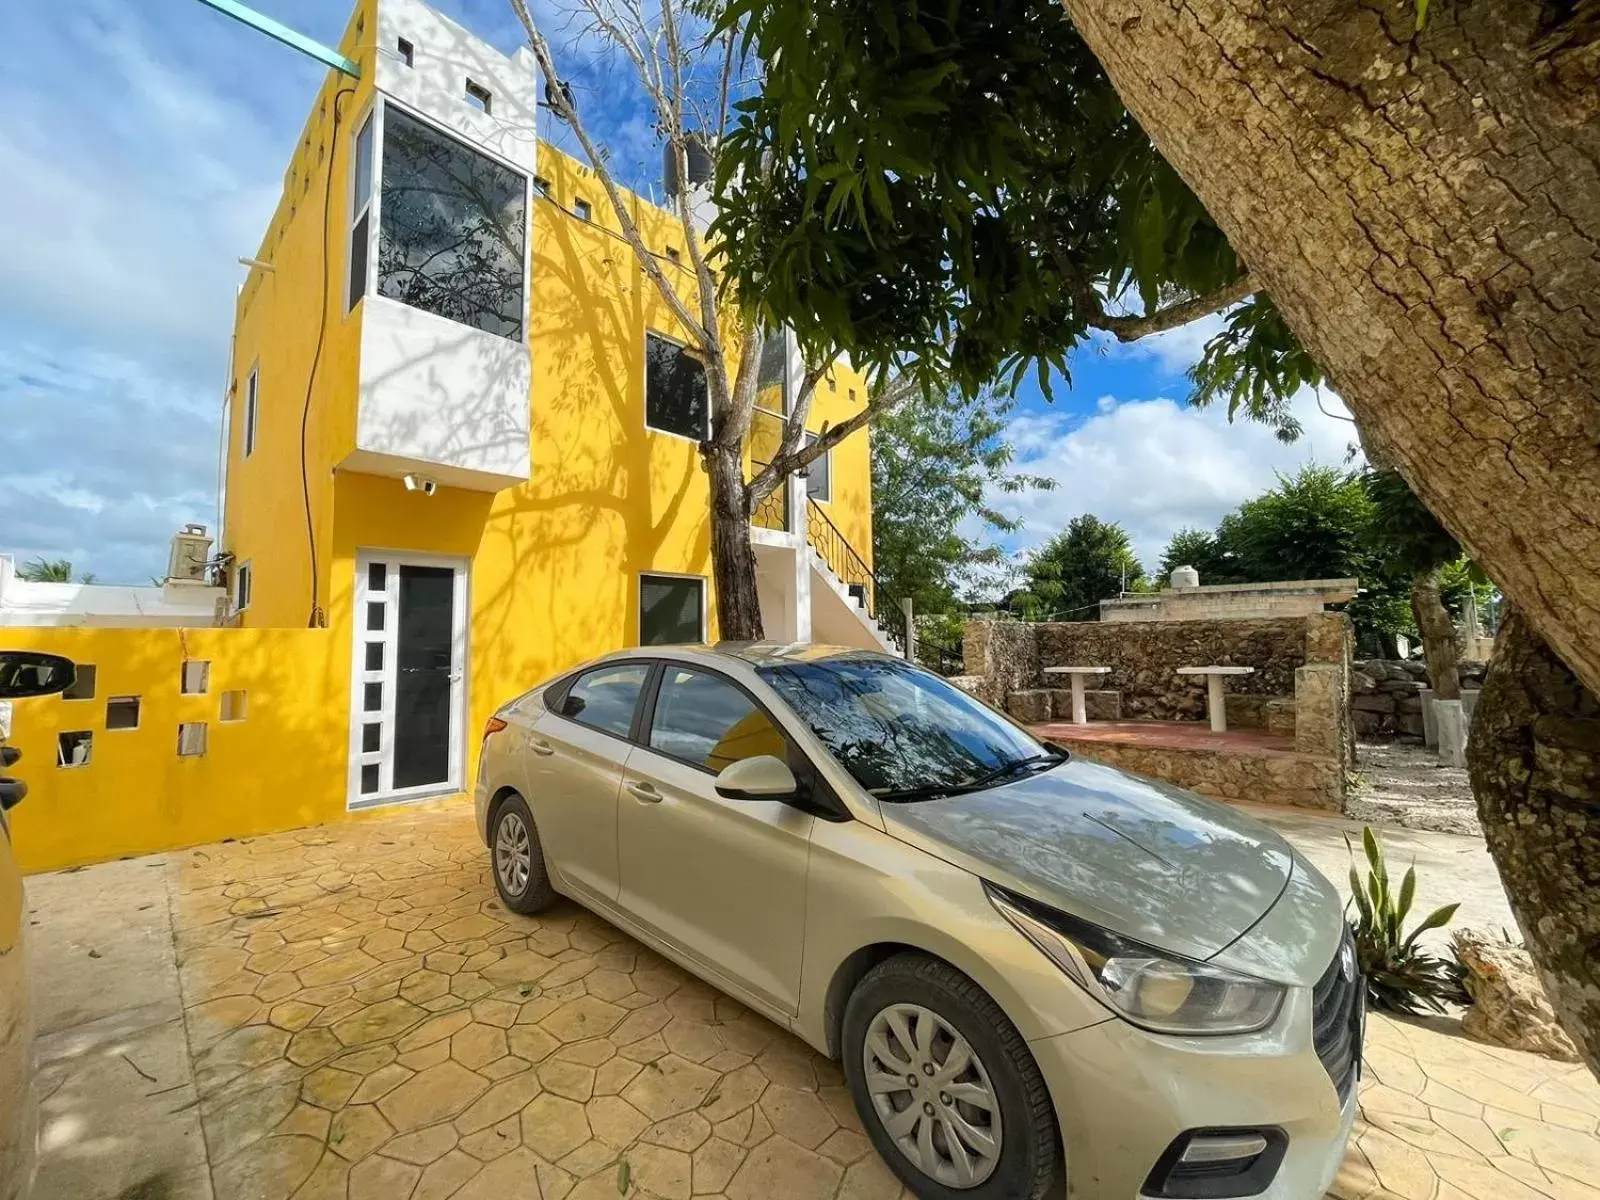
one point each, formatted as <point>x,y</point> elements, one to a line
<point>1154,466</point>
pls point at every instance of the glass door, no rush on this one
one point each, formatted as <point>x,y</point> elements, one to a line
<point>407,694</point>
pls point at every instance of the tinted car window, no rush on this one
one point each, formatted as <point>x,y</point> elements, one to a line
<point>707,721</point>
<point>897,728</point>
<point>606,697</point>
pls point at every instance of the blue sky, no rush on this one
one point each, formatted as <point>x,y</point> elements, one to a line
<point>143,150</point>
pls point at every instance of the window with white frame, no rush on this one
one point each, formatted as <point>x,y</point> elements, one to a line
<point>819,475</point>
<point>241,587</point>
<point>452,228</point>
<point>252,410</point>
<point>672,610</point>
<point>675,396</point>
<point>360,212</point>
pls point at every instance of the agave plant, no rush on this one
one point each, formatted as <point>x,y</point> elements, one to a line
<point>1401,976</point>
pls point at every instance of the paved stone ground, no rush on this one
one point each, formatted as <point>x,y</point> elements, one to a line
<point>345,1012</point>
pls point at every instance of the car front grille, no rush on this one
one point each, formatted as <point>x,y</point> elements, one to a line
<point>1337,1010</point>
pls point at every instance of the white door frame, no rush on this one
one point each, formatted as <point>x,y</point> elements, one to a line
<point>383,756</point>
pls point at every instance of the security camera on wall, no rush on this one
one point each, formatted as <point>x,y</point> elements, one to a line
<point>421,483</point>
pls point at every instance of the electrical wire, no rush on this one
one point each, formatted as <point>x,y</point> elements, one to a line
<point>317,618</point>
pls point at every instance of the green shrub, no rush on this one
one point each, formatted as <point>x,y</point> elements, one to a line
<point>1401,976</point>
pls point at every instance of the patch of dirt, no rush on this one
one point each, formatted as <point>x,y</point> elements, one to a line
<point>1402,783</point>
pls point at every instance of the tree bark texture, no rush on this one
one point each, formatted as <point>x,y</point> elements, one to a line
<point>1534,756</point>
<point>1438,635</point>
<point>733,558</point>
<point>1424,208</point>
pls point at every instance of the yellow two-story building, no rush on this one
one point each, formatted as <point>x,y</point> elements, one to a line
<point>463,426</point>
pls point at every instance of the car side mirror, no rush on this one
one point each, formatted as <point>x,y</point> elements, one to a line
<point>763,777</point>
<point>25,673</point>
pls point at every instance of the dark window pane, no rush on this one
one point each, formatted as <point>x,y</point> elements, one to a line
<point>772,378</point>
<point>369,778</point>
<point>670,611</point>
<point>374,614</point>
<point>372,697</point>
<point>606,697</point>
<point>374,656</point>
<point>453,229</point>
<point>358,261</point>
<point>819,476</point>
<point>371,738</point>
<point>424,654</point>
<point>706,721</point>
<point>674,389</point>
<point>377,577</point>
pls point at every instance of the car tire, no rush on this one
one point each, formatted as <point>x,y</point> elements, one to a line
<point>516,859</point>
<point>1001,1072</point>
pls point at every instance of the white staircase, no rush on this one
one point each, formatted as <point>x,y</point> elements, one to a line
<point>839,615</point>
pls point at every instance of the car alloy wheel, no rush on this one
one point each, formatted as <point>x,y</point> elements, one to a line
<point>513,853</point>
<point>933,1095</point>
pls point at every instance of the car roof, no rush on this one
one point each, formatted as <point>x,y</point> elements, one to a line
<point>751,654</point>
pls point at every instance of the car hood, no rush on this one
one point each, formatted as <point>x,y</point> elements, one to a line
<point>1136,856</point>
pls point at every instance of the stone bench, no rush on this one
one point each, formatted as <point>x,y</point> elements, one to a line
<point>1034,706</point>
<point>1254,710</point>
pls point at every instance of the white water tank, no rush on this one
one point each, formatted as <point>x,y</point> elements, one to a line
<point>1185,577</point>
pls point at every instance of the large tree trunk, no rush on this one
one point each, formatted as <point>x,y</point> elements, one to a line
<point>1438,635</point>
<point>1425,210</point>
<point>1535,763</point>
<point>733,558</point>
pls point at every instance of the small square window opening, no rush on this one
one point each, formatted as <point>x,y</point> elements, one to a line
<point>672,254</point>
<point>581,209</point>
<point>191,739</point>
<point>243,581</point>
<point>479,97</point>
<point>73,748</point>
<point>541,185</point>
<point>82,685</point>
<point>404,49</point>
<point>234,705</point>
<point>122,712</point>
<point>196,678</point>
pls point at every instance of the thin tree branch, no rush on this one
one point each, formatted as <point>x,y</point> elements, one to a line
<point>782,466</point>
<point>1336,416</point>
<point>1131,329</point>
<point>568,113</point>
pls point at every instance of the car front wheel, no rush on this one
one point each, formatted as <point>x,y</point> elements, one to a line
<point>517,859</point>
<point>946,1086</point>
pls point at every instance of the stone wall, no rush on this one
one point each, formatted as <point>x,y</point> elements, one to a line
<point>1302,780</point>
<point>1242,601</point>
<point>1144,658</point>
<point>1386,695</point>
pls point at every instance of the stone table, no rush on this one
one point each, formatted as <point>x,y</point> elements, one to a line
<point>1215,705</point>
<point>1079,715</point>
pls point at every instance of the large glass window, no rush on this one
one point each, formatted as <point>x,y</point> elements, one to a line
<point>708,722</point>
<point>452,229</point>
<point>772,377</point>
<point>675,396</point>
<point>360,214</point>
<point>606,697</point>
<point>671,610</point>
<point>898,729</point>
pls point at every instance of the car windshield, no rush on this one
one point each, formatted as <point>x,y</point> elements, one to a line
<point>900,731</point>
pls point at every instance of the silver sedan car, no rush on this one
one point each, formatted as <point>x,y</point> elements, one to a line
<point>1030,966</point>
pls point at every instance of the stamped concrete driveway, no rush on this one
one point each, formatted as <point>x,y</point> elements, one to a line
<point>346,1012</point>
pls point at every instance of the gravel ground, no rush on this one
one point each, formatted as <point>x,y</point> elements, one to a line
<point>1401,783</point>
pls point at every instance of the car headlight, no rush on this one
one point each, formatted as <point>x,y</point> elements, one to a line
<point>1148,987</point>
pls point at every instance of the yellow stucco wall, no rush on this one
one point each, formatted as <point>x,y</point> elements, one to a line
<point>282,766</point>
<point>277,319</point>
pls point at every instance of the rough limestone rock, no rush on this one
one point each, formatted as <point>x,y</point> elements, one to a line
<point>1509,1007</point>
<point>1360,681</point>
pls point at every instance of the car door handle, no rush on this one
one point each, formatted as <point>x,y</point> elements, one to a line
<point>645,791</point>
<point>540,747</point>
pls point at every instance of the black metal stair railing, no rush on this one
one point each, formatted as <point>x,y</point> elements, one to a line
<point>852,570</point>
